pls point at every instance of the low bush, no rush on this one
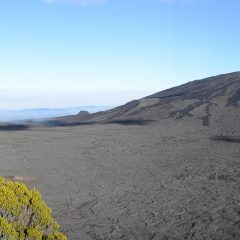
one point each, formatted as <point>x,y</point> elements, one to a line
<point>24,215</point>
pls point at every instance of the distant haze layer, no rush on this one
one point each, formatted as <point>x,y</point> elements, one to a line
<point>65,98</point>
<point>41,113</point>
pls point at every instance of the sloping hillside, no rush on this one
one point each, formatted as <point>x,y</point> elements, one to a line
<point>214,100</point>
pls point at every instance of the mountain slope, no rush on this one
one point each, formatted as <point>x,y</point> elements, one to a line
<point>215,101</point>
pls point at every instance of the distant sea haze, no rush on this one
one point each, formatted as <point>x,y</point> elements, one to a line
<point>42,113</point>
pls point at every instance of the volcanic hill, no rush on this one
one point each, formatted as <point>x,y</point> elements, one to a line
<point>214,100</point>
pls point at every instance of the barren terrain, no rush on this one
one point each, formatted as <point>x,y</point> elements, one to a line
<point>162,180</point>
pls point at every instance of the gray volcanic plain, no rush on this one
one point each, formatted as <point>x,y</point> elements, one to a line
<point>165,167</point>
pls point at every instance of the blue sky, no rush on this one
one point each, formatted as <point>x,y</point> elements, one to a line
<point>60,53</point>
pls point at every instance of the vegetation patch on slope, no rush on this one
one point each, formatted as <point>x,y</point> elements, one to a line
<point>24,215</point>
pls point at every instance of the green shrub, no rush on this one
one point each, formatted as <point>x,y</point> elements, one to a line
<point>24,215</point>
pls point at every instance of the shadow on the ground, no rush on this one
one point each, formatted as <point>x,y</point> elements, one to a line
<point>28,125</point>
<point>121,122</point>
<point>66,124</point>
<point>226,138</point>
<point>14,127</point>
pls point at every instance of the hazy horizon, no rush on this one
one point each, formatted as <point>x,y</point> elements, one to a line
<point>37,114</point>
<point>33,99</point>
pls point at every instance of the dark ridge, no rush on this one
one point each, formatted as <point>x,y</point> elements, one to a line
<point>203,97</point>
<point>205,120</point>
<point>199,88</point>
<point>121,110</point>
<point>184,112</point>
<point>14,127</point>
<point>170,96</point>
<point>234,100</point>
<point>114,113</point>
<point>128,105</point>
<point>84,115</point>
<point>235,139</point>
<point>130,122</point>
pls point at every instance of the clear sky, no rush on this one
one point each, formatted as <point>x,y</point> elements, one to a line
<point>59,53</point>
